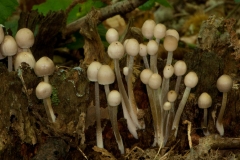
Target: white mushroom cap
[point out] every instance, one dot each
(125, 71)
(114, 98)
(43, 90)
(132, 47)
(24, 57)
(167, 106)
(180, 68)
(115, 50)
(44, 67)
(92, 71)
(1, 56)
(224, 83)
(204, 100)
(159, 31)
(170, 43)
(105, 75)
(148, 28)
(191, 80)
(155, 81)
(8, 46)
(171, 96)
(112, 35)
(145, 75)
(173, 33)
(1, 34)
(142, 50)
(168, 71)
(24, 38)
(152, 47)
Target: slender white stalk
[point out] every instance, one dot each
(46, 79)
(219, 124)
(98, 118)
(180, 110)
(10, 68)
(49, 110)
(179, 79)
(169, 58)
(145, 61)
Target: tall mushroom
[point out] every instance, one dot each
(92, 72)
(190, 81)
(114, 98)
(224, 84)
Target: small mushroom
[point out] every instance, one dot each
(26, 57)
(204, 102)
(8, 49)
(44, 67)
(112, 35)
(170, 44)
(180, 69)
(44, 91)
(114, 98)
(25, 39)
(148, 28)
(224, 84)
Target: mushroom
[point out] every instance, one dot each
(44, 91)
(170, 44)
(180, 69)
(148, 28)
(25, 39)
(190, 81)
(159, 31)
(224, 84)
(114, 98)
(1, 34)
(143, 53)
(204, 102)
(112, 35)
(44, 67)
(132, 49)
(173, 33)
(26, 57)
(8, 49)
(92, 72)
(152, 48)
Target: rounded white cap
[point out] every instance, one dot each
(155, 81)
(168, 71)
(167, 106)
(170, 43)
(159, 31)
(152, 47)
(224, 83)
(112, 35)
(180, 68)
(92, 71)
(26, 57)
(24, 38)
(43, 90)
(9, 46)
(114, 98)
(191, 80)
(148, 28)
(142, 50)
(44, 67)
(145, 75)
(105, 75)
(171, 96)
(132, 47)
(1, 34)
(173, 33)
(125, 71)
(204, 100)
(115, 50)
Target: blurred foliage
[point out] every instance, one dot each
(237, 1)
(7, 7)
(151, 3)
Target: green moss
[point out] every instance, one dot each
(54, 97)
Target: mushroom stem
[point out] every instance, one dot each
(10, 63)
(180, 110)
(145, 61)
(205, 118)
(113, 118)
(153, 63)
(49, 110)
(178, 82)
(98, 118)
(219, 123)
(169, 58)
(46, 79)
